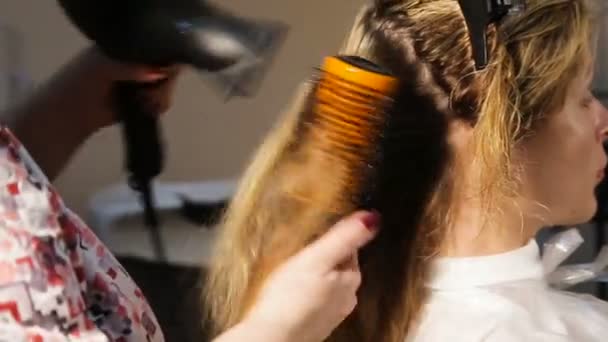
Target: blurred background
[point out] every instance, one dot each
(208, 143)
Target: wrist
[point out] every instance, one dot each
(92, 78)
(74, 96)
(61, 114)
(259, 330)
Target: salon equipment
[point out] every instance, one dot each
(196, 202)
(114, 211)
(560, 247)
(478, 15)
(202, 213)
(234, 51)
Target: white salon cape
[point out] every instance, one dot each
(504, 298)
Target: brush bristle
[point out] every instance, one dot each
(347, 121)
(348, 113)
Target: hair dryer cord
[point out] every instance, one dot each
(143, 150)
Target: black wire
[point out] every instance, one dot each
(151, 218)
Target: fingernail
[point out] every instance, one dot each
(371, 220)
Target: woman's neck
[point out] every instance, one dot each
(476, 229)
(474, 232)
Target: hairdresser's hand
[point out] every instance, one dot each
(76, 102)
(313, 292)
(158, 98)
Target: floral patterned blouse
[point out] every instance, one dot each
(58, 282)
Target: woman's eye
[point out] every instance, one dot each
(587, 100)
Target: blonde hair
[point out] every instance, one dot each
(534, 56)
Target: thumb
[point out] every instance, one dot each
(343, 240)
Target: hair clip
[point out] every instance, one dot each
(478, 14)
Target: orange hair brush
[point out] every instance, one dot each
(329, 169)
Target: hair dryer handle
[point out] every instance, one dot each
(141, 132)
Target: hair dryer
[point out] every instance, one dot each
(236, 51)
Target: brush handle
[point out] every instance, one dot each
(144, 157)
